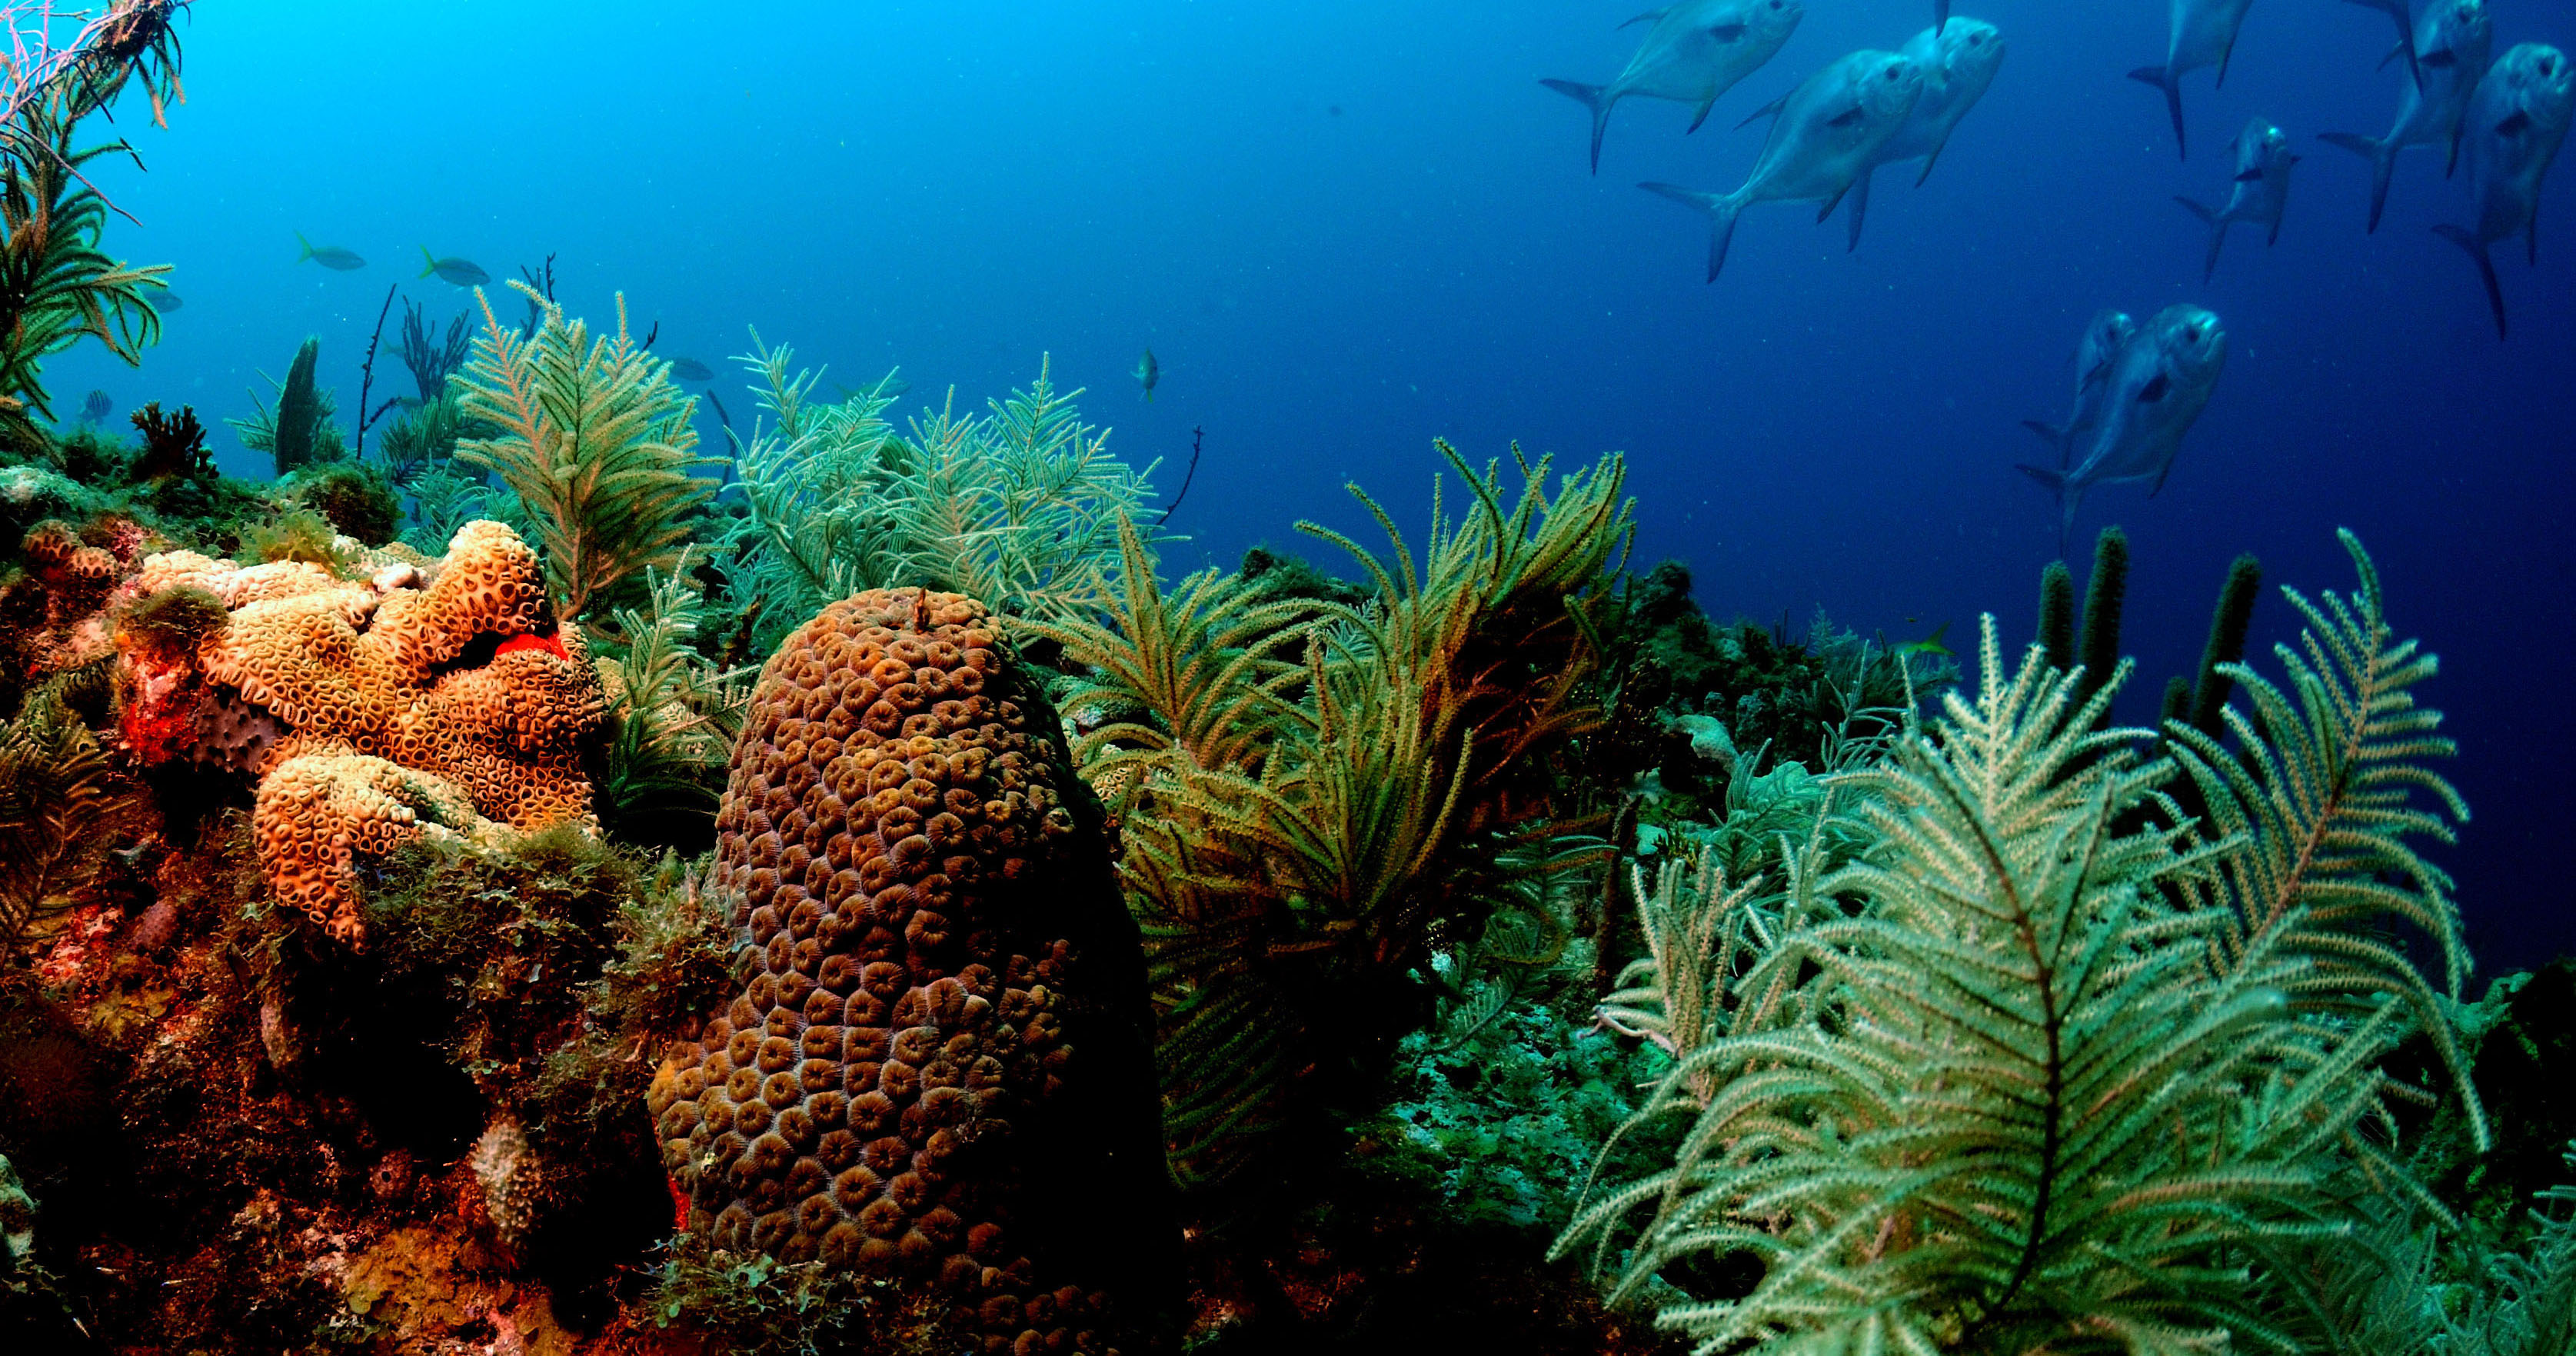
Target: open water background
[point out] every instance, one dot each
(1345, 228)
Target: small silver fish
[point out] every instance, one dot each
(1148, 373)
(2108, 333)
(2156, 390)
(462, 272)
(2201, 33)
(883, 389)
(691, 370)
(331, 257)
(1823, 134)
(1959, 64)
(2515, 122)
(167, 302)
(1696, 51)
(2260, 191)
(2449, 54)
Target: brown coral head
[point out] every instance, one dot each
(893, 833)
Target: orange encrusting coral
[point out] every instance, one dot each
(893, 833)
(388, 730)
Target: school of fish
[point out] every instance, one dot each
(2139, 387)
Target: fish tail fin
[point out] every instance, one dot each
(2383, 166)
(2162, 78)
(2217, 235)
(1859, 195)
(303, 248)
(2055, 435)
(2396, 9)
(428, 262)
(2477, 249)
(2068, 493)
(1722, 210)
(1590, 96)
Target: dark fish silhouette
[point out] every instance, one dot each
(1147, 373)
(690, 369)
(167, 302)
(462, 272)
(331, 257)
(95, 406)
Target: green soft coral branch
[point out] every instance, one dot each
(2043, 1086)
(595, 440)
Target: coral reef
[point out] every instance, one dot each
(927, 1054)
(388, 728)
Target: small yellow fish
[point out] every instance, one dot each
(1929, 645)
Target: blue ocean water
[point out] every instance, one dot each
(1347, 228)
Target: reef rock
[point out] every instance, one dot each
(936, 1072)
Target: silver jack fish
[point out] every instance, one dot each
(2260, 192)
(1696, 51)
(2449, 49)
(2203, 33)
(1822, 137)
(2157, 386)
(2515, 120)
(1959, 61)
(2109, 332)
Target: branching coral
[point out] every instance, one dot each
(1019, 506)
(56, 285)
(595, 440)
(173, 445)
(928, 1043)
(1298, 829)
(672, 716)
(433, 361)
(56, 789)
(2041, 1070)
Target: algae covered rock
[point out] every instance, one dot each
(935, 1073)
